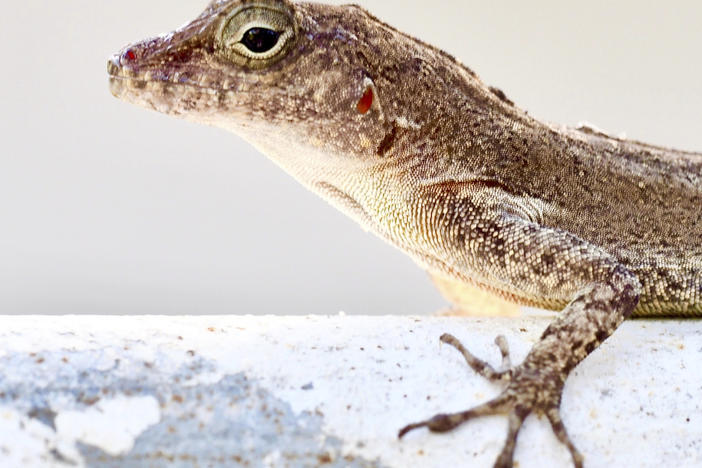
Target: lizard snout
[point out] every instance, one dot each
(114, 64)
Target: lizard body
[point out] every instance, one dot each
(411, 144)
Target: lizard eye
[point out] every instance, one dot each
(256, 36)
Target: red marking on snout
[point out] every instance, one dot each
(130, 55)
(366, 101)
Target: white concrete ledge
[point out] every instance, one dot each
(326, 391)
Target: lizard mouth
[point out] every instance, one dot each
(121, 74)
(170, 92)
(120, 70)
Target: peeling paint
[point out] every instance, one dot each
(111, 425)
(26, 442)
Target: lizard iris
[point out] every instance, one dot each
(412, 145)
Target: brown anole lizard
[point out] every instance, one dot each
(416, 148)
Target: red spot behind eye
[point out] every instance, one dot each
(130, 55)
(366, 101)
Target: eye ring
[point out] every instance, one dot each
(256, 36)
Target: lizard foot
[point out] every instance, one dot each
(531, 388)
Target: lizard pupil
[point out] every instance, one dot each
(260, 40)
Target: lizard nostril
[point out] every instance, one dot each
(129, 55)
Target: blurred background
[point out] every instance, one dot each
(106, 208)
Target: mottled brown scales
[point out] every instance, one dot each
(413, 146)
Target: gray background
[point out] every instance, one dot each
(108, 208)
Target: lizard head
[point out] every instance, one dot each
(298, 80)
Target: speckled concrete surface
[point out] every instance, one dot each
(325, 391)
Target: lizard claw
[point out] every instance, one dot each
(528, 391)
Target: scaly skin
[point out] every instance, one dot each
(413, 146)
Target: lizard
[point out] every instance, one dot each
(411, 144)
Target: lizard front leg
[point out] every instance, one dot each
(553, 264)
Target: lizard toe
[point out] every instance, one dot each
(554, 417)
(506, 457)
(478, 365)
(445, 422)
